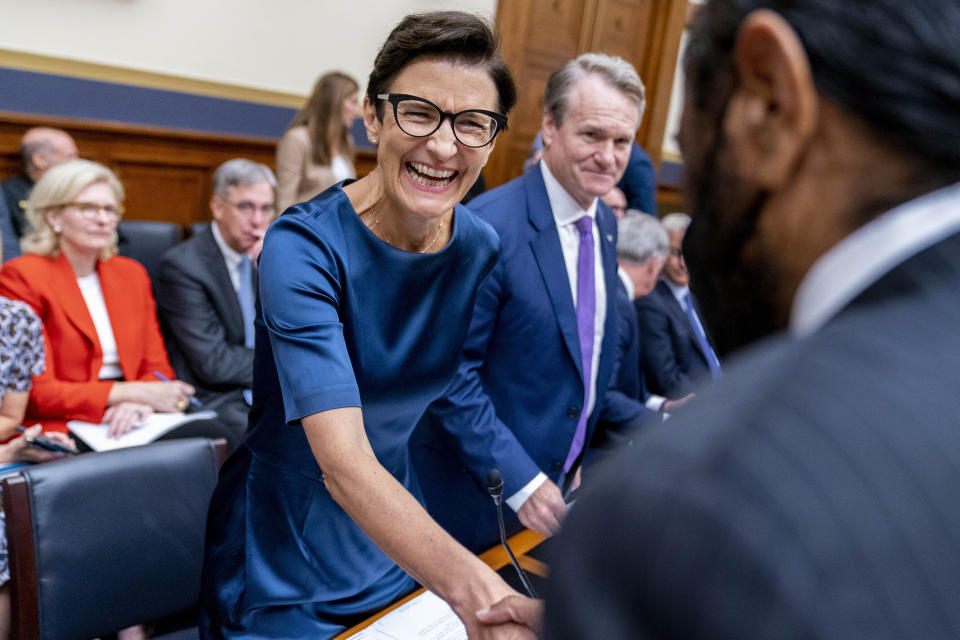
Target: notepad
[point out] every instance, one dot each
(157, 424)
(425, 617)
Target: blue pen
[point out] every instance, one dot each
(193, 400)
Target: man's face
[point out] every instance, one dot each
(732, 274)
(588, 153)
(617, 201)
(59, 148)
(243, 214)
(675, 268)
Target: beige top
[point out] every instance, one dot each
(298, 178)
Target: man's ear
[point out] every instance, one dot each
(772, 114)
(40, 162)
(548, 128)
(216, 207)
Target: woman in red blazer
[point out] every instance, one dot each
(103, 343)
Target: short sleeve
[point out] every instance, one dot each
(302, 279)
(21, 346)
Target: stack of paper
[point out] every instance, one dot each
(426, 617)
(95, 435)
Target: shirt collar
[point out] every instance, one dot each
(864, 256)
(680, 293)
(231, 257)
(565, 209)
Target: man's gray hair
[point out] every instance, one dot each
(675, 222)
(640, 237)
(241, 172)
(616, 71)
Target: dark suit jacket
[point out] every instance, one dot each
(812, 493)
(639, 182)
(69, 388)
(201, 318)
(516, 398)
(10, 239)
(626, 378)
(671, 358)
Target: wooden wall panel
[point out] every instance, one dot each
(540, 35)
(166, 173)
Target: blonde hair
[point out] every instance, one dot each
(58, 186)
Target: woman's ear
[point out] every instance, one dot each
(772, 114)
(370, 120)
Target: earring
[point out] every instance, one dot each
(373, 139)
(57, 228)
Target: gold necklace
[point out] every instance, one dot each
(376, 221)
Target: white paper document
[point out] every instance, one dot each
(157, 424)
(426, 617)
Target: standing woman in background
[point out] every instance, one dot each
(317, 151)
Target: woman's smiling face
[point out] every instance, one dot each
(428, 176)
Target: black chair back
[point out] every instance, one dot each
(107, 540)
(146, 241)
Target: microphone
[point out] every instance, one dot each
(495, 489)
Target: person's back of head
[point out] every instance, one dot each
(803, 122)
(44, 147)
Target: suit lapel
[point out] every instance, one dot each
(607, 226)
(69, 295)
(549, 256)
(216, 265)
(680, 316)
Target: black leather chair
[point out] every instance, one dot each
(146, 241)
(103, 541)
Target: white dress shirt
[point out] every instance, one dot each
(230, 257)
(867, 254)
(93, 297)
(566, 212)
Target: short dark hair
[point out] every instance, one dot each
(449, 35)
(894, 65)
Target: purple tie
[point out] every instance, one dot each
(586, 310)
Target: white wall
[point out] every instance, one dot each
(278, 45)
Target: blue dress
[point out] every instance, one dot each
(346, 320)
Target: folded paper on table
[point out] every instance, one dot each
(95, 435)
(426, 617)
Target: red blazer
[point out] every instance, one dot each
(69, 389)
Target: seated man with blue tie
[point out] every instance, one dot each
(676, 352)
(538, 359)
(206, 291)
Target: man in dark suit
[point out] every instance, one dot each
(40, 149)
(641, 250)
(543, 339)
(205, 291)
(812, 493)
(677, 353)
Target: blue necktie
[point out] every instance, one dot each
(245, 297)
(705, 347)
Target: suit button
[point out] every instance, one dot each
(556, 465)
(573, 412)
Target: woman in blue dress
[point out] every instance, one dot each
(366, 293)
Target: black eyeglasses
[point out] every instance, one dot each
(418, 117)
